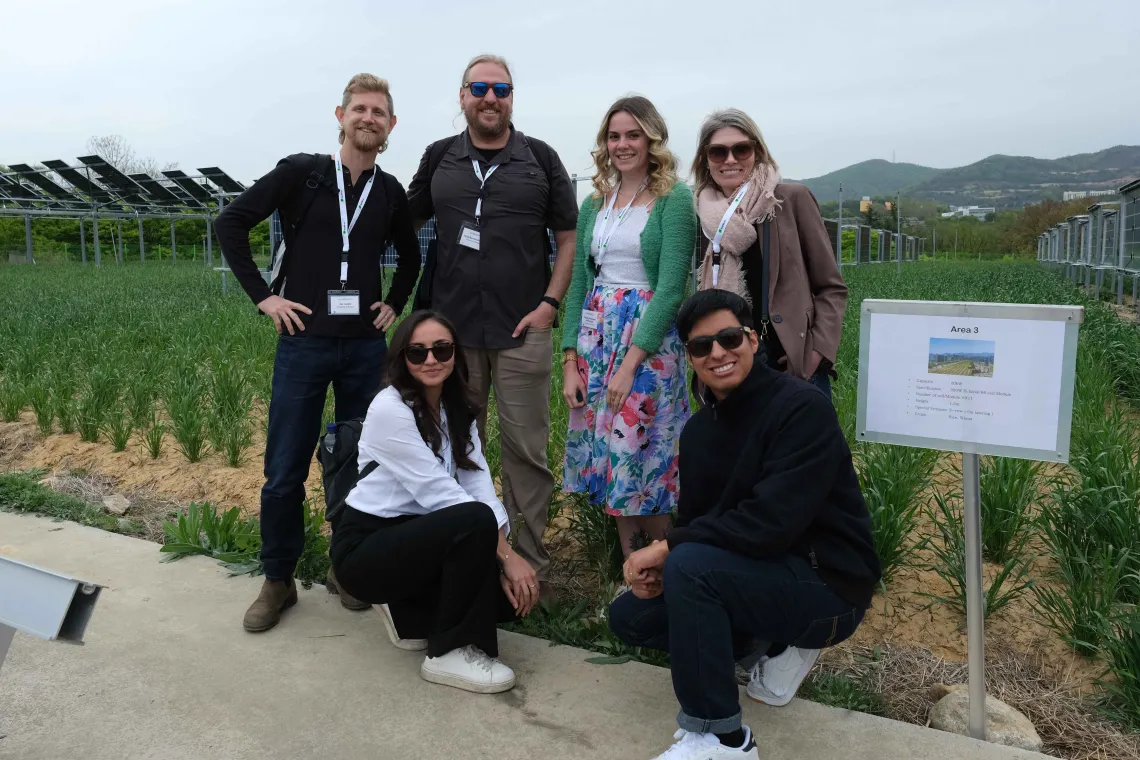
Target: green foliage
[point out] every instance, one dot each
(844, 692)
(22, 492)
(187, 417)
(101, 393)
(39, 396)
(893, 479)
(1011, 581)
(202, 530)
(118, 429)
(576, 624)
(314, 563)
(1122, 690)
(153, 433)
(1008, 489)
(1081, 610)
(12, 399)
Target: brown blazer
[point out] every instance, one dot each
(807, 295)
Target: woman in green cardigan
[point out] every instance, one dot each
(623, 363)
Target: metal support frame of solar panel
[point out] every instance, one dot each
(110, 193)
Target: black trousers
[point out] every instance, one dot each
(437, 573)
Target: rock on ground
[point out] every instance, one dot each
(1004, 725)
(116, 504)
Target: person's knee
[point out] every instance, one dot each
(477, 519)
(627, 620)
(685, 563)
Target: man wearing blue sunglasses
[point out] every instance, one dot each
(494, 193)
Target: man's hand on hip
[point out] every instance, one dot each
(284, 313)
(386, 318)
(540, 319)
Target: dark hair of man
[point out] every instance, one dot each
(704, 302)
(454, 397)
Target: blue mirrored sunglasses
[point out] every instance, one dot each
(501, 89)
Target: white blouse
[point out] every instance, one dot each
(409, 478)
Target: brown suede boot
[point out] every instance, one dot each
(347, 600)
(265, 612)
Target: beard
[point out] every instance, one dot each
(493, 131)
(366, 141)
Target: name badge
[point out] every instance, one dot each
(344, 303)
(590, 320)
(469, 236)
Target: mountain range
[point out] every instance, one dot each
(1000, 181)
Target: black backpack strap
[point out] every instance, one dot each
(367, 470)
(307, 194)
(436, 153)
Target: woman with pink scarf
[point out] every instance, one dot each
(742, 203)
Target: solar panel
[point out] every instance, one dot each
(79, 180)
(13, 192)
(19, 190)
(157, 190)
(112, 177)
(192, 188)
(221, 179)
(43, 183)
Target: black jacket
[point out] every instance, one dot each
(313, 267)
(767, 472)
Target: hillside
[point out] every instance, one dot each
(1006, 181)
(1001, 181)
(875, 177)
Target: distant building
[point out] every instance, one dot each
(978, 212)
(864, 204)
(1072, 195)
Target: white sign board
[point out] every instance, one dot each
(971, 377)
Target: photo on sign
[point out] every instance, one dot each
(958, 356)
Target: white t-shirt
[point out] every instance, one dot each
(409, 478)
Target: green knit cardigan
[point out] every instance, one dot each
(667, 252)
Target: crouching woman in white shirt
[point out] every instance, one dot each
(424, 535)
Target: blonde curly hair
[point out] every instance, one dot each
(662, 162)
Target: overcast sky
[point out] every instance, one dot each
(241, 83)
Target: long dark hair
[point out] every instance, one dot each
(459, 413)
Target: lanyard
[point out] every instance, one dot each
(345, 225)
(482, 182)
(603, 236)
(720, 230)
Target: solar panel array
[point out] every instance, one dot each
(96, 183)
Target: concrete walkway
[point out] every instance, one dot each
(167, 672)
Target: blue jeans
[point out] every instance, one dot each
(302, 370)
(714, 600)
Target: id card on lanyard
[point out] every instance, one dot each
(603, 236)
(721, 228)
(468, 234)
(347, 302)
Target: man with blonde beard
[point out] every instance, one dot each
(494, 193)
(339, 212)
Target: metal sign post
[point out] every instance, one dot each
(975, 378)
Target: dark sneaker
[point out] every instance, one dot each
(265, 612)
(347, 600)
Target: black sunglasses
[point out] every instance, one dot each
(730, 339)
(741, 152)
(442, 350)
(501, 89)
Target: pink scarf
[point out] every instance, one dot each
(759, 203)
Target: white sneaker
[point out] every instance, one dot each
(694, 746)
(776, 680)
(469, 668)
(411, 645)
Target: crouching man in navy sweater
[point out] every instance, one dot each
(772, 556)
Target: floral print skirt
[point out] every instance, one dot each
(626, 460)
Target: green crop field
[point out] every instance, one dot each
(155, 354)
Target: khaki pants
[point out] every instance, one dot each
(521, 378)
